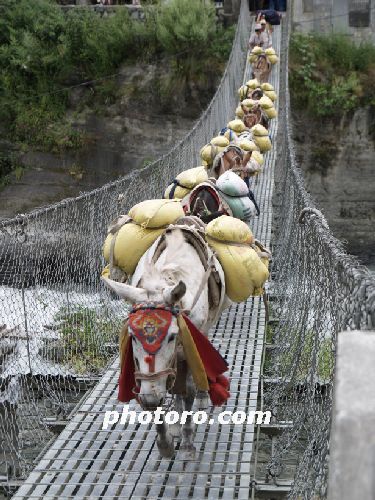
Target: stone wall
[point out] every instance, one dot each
(339, 170)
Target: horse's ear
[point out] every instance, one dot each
(246, 158)
(130, 293)
(174, 294)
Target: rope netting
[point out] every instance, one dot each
(58, 324)
(318, 291)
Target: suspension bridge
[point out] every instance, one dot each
(49, 267)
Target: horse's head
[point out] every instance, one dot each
(256, 94)
(253, 116)
(230, 158)
(153, 330)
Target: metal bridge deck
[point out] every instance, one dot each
(123, 462)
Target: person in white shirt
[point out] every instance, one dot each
(256, 38)
(265, 35)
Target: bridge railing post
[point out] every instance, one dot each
(352, 456)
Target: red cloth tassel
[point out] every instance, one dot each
(218, 394)
(126, 379)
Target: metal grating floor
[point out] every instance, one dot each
(123, 462)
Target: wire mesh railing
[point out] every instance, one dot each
(318, 291)
(58, 325)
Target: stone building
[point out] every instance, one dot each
(356, 18)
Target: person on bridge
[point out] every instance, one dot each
(266, 34)
(256, 38)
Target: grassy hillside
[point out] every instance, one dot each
(330, 74)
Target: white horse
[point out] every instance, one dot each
(176, 277)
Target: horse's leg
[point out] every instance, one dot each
(187, 448)
(164, 440)
(202, 400)
(175, 429)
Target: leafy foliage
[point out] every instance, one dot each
(44, 50)
(85, 335)
(330, 74)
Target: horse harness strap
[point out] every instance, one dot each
(209, 270)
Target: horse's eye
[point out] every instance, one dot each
(172, 337)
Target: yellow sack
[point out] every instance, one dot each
(270, 51)
(156, 213)
(253, 84)
(249, 103)
(271, 94)
(220, 140)
(239, 112)
(252, 58)
(273, 59)
(265, 102)
(259, 130)
(266, 86)
(242, 92)
(179, 192)
(229, 229)
(271, 113)
(132, 242)
(244, 272)
(248, 145)
(237, 125)
(263, 143)
(208, 153)
(258, 157)
(257, 50)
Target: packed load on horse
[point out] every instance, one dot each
(185, 182)
(212, 149)
(245, 264)
(229, 195)
(179, 275)
(269, 53)
(181, 260)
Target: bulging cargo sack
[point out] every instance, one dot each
(249, 103)
(156, 213)
(271, 94)
(242, 92)
(231, 184)
(252, 58)
(220, 140)
(257, 50)
(259, 130)
(266, 86)
(265, 102)
(240, 112)
(209, 152)
(258, 157)
(176, 192)
(273, 59)
(244, 272)
(185, 182)
(235, 193)
(247, 145)
(254, 84)
(228, 229)
(132, 241)
(271, 113)
(237, 125)
(263, 143)
(270, 51)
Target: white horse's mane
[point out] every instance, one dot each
(172, 265)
